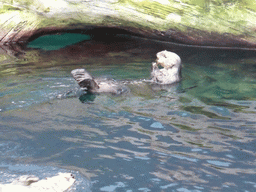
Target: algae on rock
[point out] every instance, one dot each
(217, 23)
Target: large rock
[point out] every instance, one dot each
(211, 23)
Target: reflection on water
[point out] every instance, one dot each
(197, 135)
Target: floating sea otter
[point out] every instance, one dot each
(60, 183)
(170, 73)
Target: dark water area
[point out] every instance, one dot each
(196, 135)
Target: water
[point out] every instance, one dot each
(196, 135)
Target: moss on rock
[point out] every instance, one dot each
(197, 22)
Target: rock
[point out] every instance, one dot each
(59, 183)
(171, 71)
(209, 24)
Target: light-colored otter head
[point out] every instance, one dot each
(168, 59)
(171, 71)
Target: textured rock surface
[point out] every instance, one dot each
(214, 23)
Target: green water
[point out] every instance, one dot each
(55, 42)
(196, 135)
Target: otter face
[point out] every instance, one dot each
(168, 59)
(171, 72)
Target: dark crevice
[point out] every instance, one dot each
(97, 33)
(193, 39)
(197, 39)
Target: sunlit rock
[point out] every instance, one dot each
(211, 24)
(59, 183)
(174, 17)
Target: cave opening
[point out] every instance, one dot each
(57, 39)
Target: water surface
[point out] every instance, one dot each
(196, 135)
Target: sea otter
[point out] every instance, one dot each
(170, 73)
(61, 182)
(91, 85)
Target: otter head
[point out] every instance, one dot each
(171, 71)
(168, 59)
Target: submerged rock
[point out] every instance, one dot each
(26, 183)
